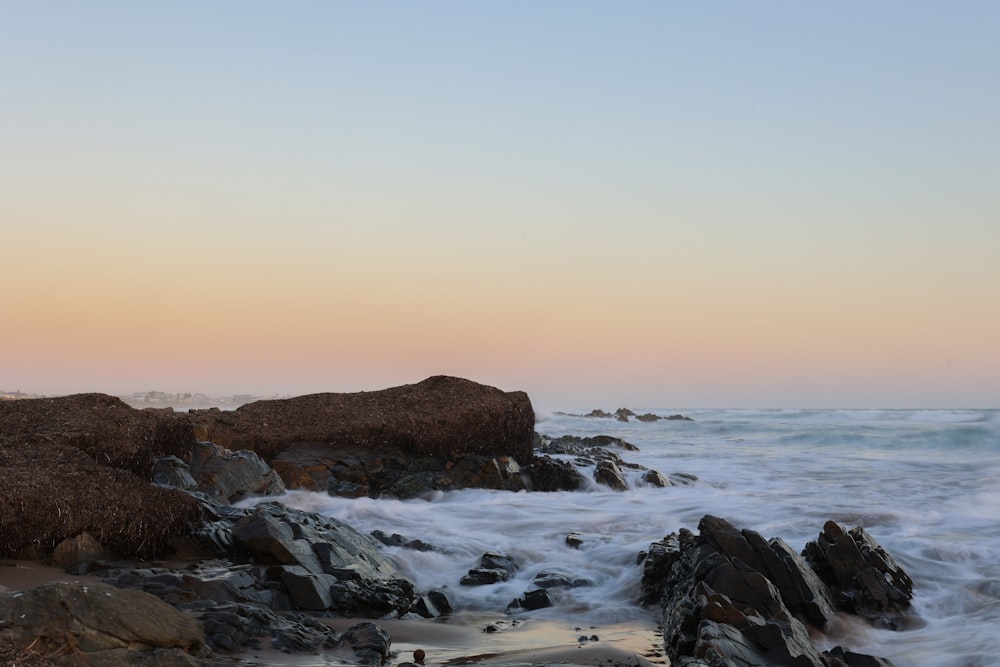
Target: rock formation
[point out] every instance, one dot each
(435, 417)
(730, 598)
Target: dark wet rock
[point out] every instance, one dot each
(841, 657)
(233, 627)
(622, 414)
(654, 478)
(863, 577)
(574, 540)
(307, 590)
(435, 417)
(682, 478)
(799, 587)
(226, 476)
(555, 579)
(397, 540)
(173, 472)
(388, 472)
(608, 473)
(370, 643)
(534, 599)
(372, 599)
(493, 568)
(581, 445)
(732, 598)
(549, 474)
(94, 623)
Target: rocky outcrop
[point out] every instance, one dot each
(103, 427)
(82, 464)
(435, 417)
(228, 476)
(730, 598)
(597, 452)
(623, 415)
(863, 578)
(54, 492)
(94, 623)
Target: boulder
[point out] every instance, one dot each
(227, 476)
(608, 473)
(493, 568)
(97, 623)
(549, 474)
(435, 417)
(84, 548)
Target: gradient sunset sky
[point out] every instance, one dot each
(654, 204)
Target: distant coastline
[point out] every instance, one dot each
(163, 399)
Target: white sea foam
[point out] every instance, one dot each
(923, 483)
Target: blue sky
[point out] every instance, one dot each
(736, 204)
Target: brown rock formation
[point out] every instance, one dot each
(436, 417)
(82, 464)
(102, 426)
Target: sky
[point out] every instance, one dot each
(654, 204)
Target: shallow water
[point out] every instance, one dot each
(924, 484)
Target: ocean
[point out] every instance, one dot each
(924, 483)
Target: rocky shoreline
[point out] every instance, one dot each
(137, 505)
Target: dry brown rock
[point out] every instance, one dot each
(81, 464)
(436, 417)
(108, 430)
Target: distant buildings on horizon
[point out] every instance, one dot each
(161, 399)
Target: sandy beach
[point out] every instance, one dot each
(458, 639)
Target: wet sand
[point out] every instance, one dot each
(458, 639)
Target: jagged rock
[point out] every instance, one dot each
(608, 473)
(865, 580)
(435, 417)
(622, 414)
(171, 471)
(227, 476)
(728, 597)
(574, 540)
(264, 534)
(370, 642)
(95, 623)
(493, 568)
(397, 540)
(549, 474)
(578, 445)
(232, 627)
(531, 600)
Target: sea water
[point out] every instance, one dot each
(924, 484)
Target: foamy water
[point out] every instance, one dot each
(925, 484)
